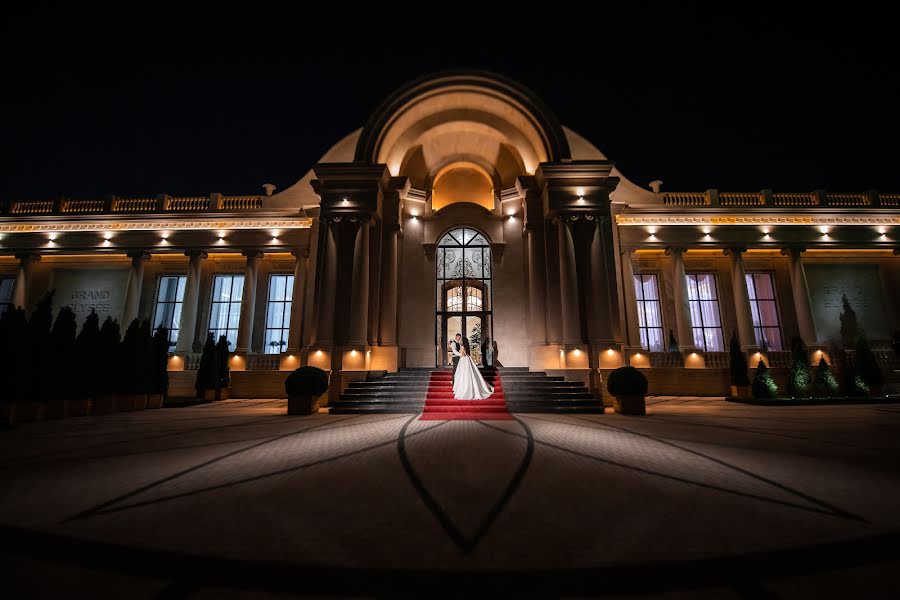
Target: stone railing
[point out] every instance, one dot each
(717, 360)
(263, 362)
(154, 204)
(133, 205)
(686, 199)
(777, 360)
(666, 359)
(81, 206)
(768, 198)
(739, 199)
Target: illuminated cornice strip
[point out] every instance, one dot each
(50, 226)
(756, 220)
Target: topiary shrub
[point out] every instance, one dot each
(159, 365)
(207, 369)
(129, 359)
(825, 384)
(627, 381)
(62, 353)
(37, 347)
(306, 381)
(87, 357)
(800, 377)
(867, 365)
(763, 384)
(223, 370)
(738, 363)
(109, 349)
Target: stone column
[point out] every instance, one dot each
(600, 309)
(135, 284)
(742, 310)
(23, 278)
(683, 322)
(359, 297)
(327, 283)
(554, 310)
(537, 281)
(248, 302)
(387, 332)
(800, 291)
(632, 322)
(298, 297)
(568, 284)
(187, 327)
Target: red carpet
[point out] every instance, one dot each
(441, 406)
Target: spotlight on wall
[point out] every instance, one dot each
(274, 239)
(610, 352)
(580, 199)
(52, 237)
(345, 201)
(576, 352)
(107, 236)
(353, 353)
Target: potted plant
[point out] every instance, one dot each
(223, 371)
(159, 368)
(303, 387)
(629, 386)
(740, 382)
(62, 354)
(763, 384)
(107, 380)
(206, 371)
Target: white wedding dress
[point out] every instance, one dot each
(469, 384)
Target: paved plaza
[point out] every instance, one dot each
(235, 499)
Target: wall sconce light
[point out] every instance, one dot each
(318, 353)
(345, 201)
(580, 199)
(610, 352)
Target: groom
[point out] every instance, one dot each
(459, 341)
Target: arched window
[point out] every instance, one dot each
(463, 295)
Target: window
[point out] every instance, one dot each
(278, 313)
(649, 313)
(226, 307)
(6, 292)
(169, 298)
(761, 290)
(705, 318)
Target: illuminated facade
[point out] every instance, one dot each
(463, 205)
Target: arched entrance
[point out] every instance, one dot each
(463, 291)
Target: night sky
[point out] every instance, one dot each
(194, 104)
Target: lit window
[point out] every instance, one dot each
(6, 292)
(278, 313)
(705, 317)
(649, 312)
(225, 315)
(169, 298)
(766, 326)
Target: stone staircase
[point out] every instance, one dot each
(525, 392)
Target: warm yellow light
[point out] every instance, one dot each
(318, 353)
(693, 354)
(580, 192)
(345, 201)
(576, 351)
(274, 239)
(580, 200)
(637, 354)
(353, 353)
(290, 356)
(610, 352)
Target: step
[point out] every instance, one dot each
(469, 409)
(453, 402)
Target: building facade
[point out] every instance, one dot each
(464, 206)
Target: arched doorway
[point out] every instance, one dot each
(463, 291)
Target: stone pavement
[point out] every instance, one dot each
(235, 499)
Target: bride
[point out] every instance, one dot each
(468, 384)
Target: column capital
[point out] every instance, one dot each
(138, 255)
(792, 250)
(738, 250)
(28, 257)
(300, 252)
(194, 253)
(673, 250)
(252, 253)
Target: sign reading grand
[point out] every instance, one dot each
(862, 286)
(100, 289)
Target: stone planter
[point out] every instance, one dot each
(630, 405)
(303, 405)
(104, 404)
(224, 393)
(129, 402)
(209, 395)
(78, 407)
(140, 401)
(741, 391)
(154, 401)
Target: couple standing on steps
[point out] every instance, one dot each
(468, 384)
